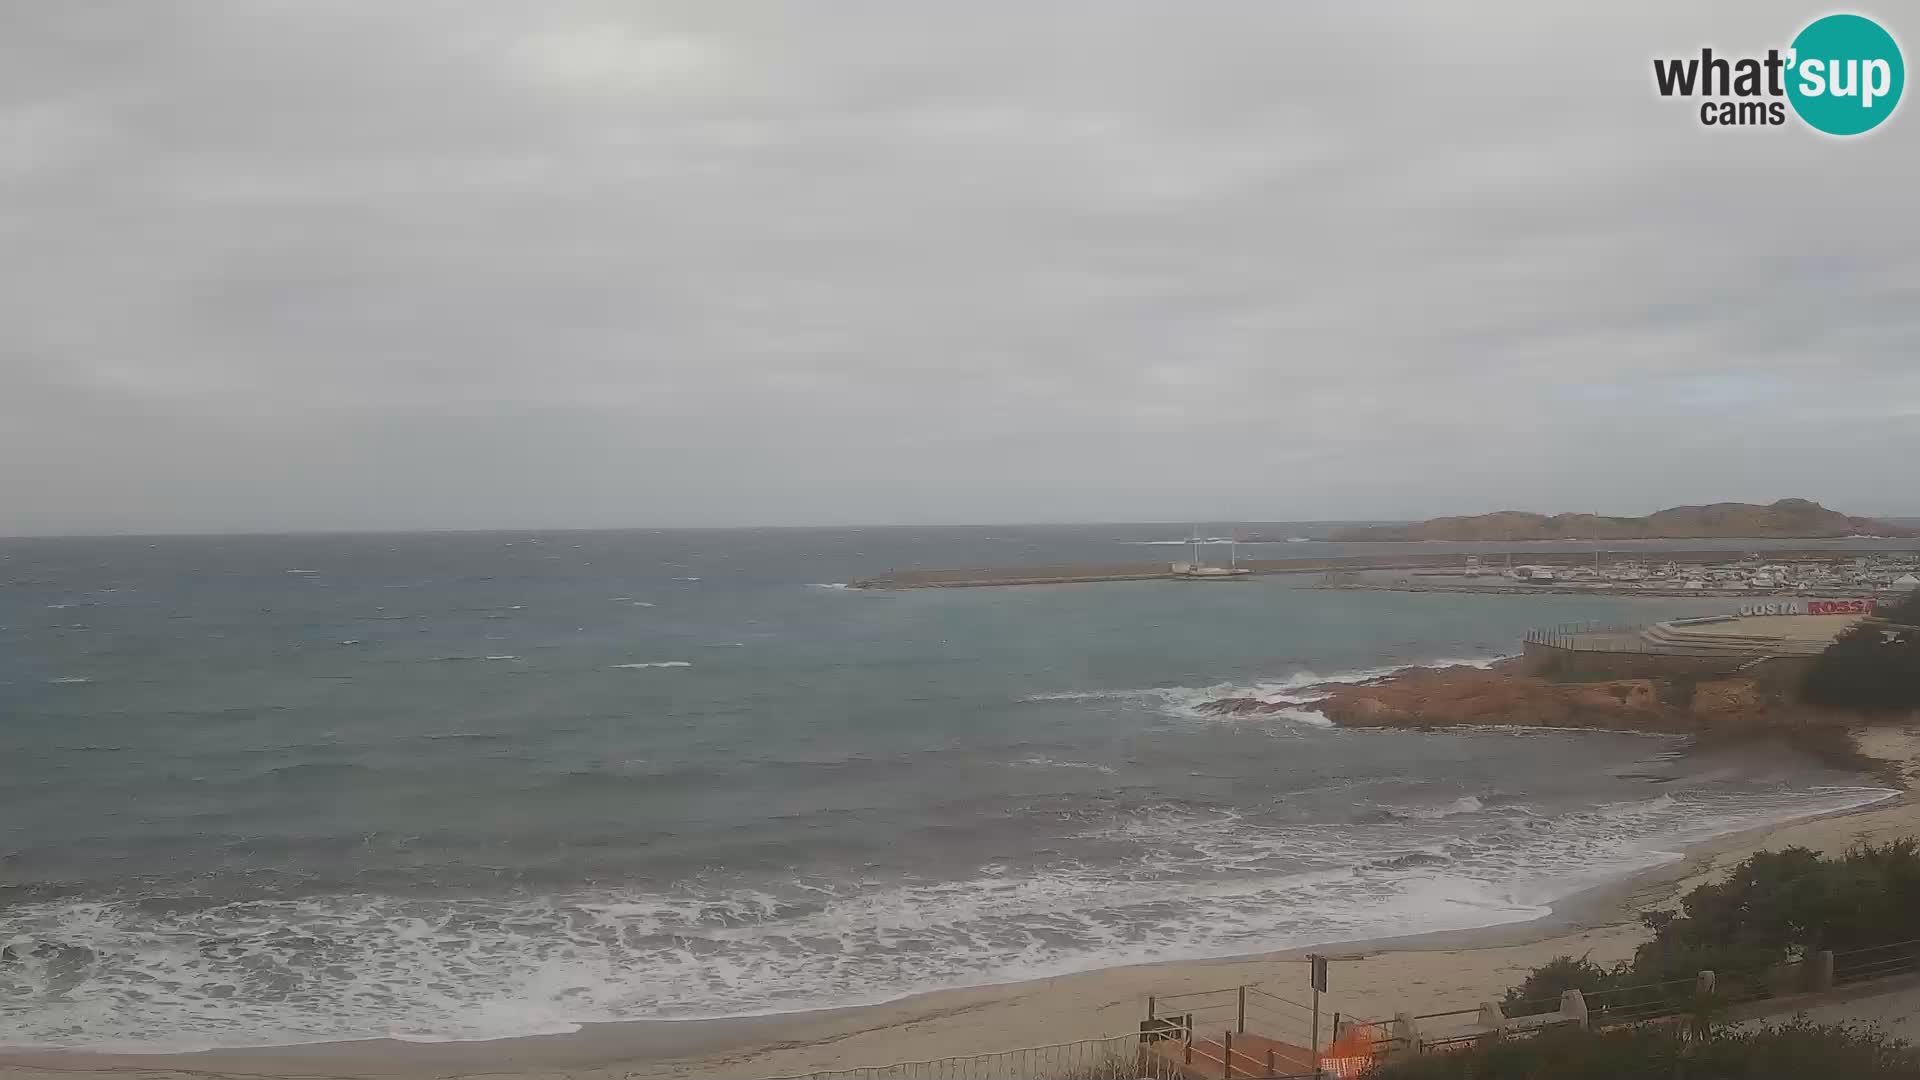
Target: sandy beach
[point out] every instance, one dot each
(1427, 973)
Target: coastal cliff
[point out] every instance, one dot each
(1785, 519)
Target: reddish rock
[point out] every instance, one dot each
(1728, 708)
(1729, 699)
(1463, 695)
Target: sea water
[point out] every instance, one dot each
(266, 790)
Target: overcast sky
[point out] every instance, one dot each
(341, 265)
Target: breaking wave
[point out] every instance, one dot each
(1049, 763)
(123, 974)
(1288, 694)
(1466, 804)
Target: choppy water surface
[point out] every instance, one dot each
(280, 789)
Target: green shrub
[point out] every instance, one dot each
(1871, 667)
(1540, 992)
(1782, 905)
(1776, 907)
(1794, 1052)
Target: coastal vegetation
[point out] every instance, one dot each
(1774, 909)
(1791, 1052)
(1872, 667)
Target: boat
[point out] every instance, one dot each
(1190, 572)
(1198, 571)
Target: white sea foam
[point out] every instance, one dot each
(1195, 702)
(70, 680)
(1466, 804)
(1050, 763)
(119, 975)
(1309, 717)
(829, 585)
(657, 664)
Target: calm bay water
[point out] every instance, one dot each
(261, 790)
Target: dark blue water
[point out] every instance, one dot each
(271, 789)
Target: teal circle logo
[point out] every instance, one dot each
(1846, 74)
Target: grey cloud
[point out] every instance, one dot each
(278, 265)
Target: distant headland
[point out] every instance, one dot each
(1796, 519)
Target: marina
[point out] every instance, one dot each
(1702, 573)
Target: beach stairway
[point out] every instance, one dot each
(1234, 1056)
(1232, 1033)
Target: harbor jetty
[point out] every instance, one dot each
(1491, 561)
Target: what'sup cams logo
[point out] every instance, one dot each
(1842, 75)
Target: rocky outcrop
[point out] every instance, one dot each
(1457, 696)
(1462, 696)
(1787, 518)
(1715, 709)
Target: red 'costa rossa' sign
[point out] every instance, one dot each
(1839, 607)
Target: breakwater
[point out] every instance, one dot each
(1070, 573)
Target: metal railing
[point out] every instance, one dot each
(1115, 1057)
(1232, 1031)
(1195, 1033)
(1697, 997)
(1876, 962)
(1234, 1063)
(1583, 636)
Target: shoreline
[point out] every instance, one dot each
(1446, 969)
